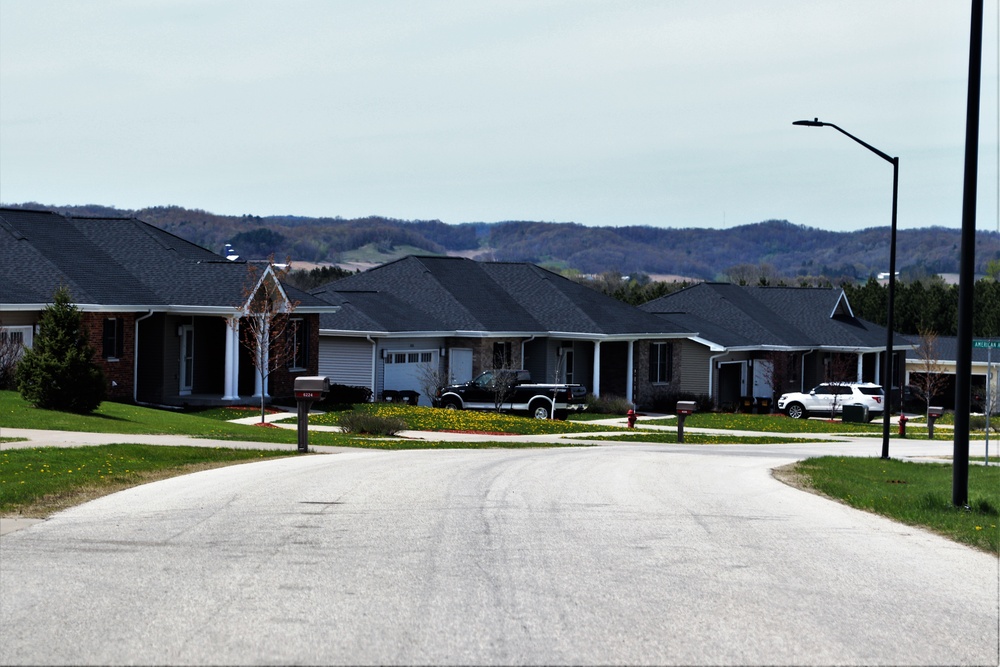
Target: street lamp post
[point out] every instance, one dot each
(887, 375)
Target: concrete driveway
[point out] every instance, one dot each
(618, 554)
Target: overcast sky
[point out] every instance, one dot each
(670, 113)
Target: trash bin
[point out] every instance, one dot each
(855, 414)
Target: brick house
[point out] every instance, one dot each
(163, 315)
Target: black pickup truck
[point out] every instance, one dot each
(512, 391)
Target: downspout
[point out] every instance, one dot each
(523, 343)
(711, 371)
(802, 379)
(368, 337)
(135, 358)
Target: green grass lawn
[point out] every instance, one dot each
(783, 424)
(694, 438)
(211, 423)
(917, 494)
(472, 421)
(38, 481)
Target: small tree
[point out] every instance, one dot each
(58, 371)
(932, 378)
(503, 381)
(265, 325)
(842, 369)
(11, 347)
(775, 372)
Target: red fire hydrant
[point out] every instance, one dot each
(631, 418)
(902, 425)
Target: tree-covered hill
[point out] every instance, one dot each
(785, 249)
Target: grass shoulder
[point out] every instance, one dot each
(917, 494)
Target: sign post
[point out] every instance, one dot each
(989, 344)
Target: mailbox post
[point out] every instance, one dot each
(933, 412)
(308, 388)
(684, 408)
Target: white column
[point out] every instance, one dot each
(596, 389)
(236, 356)
(861, 366)
(229, 392)
(630, 370)
(878, 368)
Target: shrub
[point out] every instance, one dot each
(343, 396)
(363, 422)
(666, 401)
(57, 372)
(978, 423)
(608, 405)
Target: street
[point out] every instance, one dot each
(617, 554)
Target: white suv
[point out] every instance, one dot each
(831, 397)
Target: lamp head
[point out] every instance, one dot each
(815, 122)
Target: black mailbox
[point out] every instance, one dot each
(684, 408)
(308, 388)
(933, 412)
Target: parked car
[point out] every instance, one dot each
(831, 397)
(512, 391)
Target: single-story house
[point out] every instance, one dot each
(754, 343)
(162, 314)
(943, 360)
(418, 322)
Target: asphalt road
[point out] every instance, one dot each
(603, 555)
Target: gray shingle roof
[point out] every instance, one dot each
(114, 262)
(946, 350)
(791, 317)
(456, 294)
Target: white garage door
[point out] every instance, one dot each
(407, 370)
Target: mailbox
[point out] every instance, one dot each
(308, 388)
(935, 411)
(685, 407)
(312, 387)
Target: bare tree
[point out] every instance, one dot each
(931, 379)
(504, 379)
(842, 369)
(432, 376)
(775, 372)
(11, 346)
(266, 322)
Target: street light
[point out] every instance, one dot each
(887, 375)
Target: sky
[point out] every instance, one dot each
(667, 113)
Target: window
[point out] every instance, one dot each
(114, 338)
(13, 340)
(661, 362)
(501, 355)
(298, 341)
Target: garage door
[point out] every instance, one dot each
(407, 370)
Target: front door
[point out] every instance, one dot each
(187, 359)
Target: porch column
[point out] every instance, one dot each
(231, 379)
(596, 389)
(878, 368)
(861, 367)
(630, 370)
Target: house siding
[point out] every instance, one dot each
(346, 361)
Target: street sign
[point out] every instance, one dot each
(985, 343)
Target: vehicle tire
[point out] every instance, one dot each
(873, 416)
(539, 410)
(562, 415)
(451, 405)
(796, 411)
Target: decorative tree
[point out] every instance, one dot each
(58, 371)
(932, 378)
(266, 323)
(11, 347)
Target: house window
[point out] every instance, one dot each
(298, 342)
(502, 355)
(661, 362)
(114, 338)
(13, 340)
